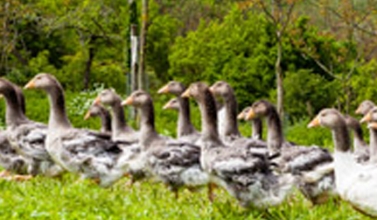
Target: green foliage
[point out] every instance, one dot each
(364, 83)
(302, 98)
(235, 49)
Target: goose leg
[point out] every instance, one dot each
(211, 196)
(21, 177)
(4, 174)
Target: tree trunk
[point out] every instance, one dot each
(143, 38)
(88, 65)
(279, 78)
(134, 57)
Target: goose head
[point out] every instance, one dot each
(243, 113)
(197, 91)
(94, 110)
(259, 109)
(351, 122)
(107, 97)
(330, 118)
(172, 87)
(43, 81)
(364, 107)
(221, 89)
(172, 104)
(6, 86)
(138, 99)
(370, 117)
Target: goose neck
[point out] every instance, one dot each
(358, 138)
(275, 131)
(373, 144)
(208, 111)
(257, 128)
(118, 124)
(341, 138)
(147, 126)
(105, 121)
(58, 116)
(231, 123)
(185, 126)
(14, 113)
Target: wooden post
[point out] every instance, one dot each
(134, 57)
(143, 38)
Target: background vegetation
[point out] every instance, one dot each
(328, 59)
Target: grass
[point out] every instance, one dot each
(67, 198)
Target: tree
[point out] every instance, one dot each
(279, 13)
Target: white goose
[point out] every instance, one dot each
(355, 183)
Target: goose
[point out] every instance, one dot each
(224, 91)
(172, 104)
(312, 165)
(185, 129)
(97, 110)
(371, 116)
(230, 133)
(10, 160)
(256, 124)
(245, 174)
(120, 130)
(127, 137)
(174, 162)
(26, 136)
(355, 182)
(81, 151)
(364, 107)
(361, 150)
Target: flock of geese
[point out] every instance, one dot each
(257, 173)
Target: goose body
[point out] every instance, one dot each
(10, 160)
(244, 173)
(312, 166)
(355, 182)
(174, 162)
(88, 153)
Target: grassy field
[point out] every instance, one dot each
(67, 198)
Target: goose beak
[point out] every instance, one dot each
(211, 89)
(163, 90)
(366, 118)
(372, 125)
(30, 84)
(241, 116)
(314, 123)
(166, 106)
(250, 115)
(128, 101)
(186, 94)
(87, 115)
(358, 110)
(97, 101)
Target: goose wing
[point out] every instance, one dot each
(29, 140)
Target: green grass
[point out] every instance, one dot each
(67, 198)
